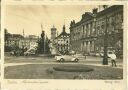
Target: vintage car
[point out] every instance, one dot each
(30, 52)
(62, 58)
(108, 53)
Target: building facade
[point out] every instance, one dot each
(52, 43)
(88, 34)
(13, 41)
(29, 42)
(62, 42)
(53, 33)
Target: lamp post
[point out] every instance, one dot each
(95, 34)
(105, 57)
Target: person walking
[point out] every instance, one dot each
(113, 59)
(84, 54)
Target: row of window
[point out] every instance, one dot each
(63, 48)
(115, 22)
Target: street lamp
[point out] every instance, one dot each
(95, 34)
(105, 57)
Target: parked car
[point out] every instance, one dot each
(62, 58)
(101, 54)
(12, 53)
(97, 54)
(108, 53)
(30, 52)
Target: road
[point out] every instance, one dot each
(12, 61)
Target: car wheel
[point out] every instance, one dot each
(76, 60)
(61, 60)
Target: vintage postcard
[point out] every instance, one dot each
(65, 46)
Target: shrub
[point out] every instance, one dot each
(74, 68)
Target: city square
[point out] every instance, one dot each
(42, 68)
(88, 45)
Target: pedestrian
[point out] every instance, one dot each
(113, 59)
(84, 54)
(14, 52)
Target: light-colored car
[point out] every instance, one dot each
(30, 52)
(62, 58)
(12, 53)
(97, 54)
(101, 54)
(108, 53)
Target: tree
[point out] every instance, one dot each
(6, 39)
(5, 34)
(47, 48)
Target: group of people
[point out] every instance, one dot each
(112, 57)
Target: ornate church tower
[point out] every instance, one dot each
(53, 32)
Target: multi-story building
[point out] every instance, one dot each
(29, 42)
(13, 41)
(63, 42)
(88, 34)
(111, 19)
(82, 33)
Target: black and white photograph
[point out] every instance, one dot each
(71, 42)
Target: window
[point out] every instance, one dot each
(67, 41)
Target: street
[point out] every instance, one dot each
(10, 60)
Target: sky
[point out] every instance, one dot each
(30, 17)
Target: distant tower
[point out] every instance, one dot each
(53, 32)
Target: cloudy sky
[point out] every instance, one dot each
(30, 17)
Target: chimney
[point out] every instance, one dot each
(73, 21)
(95, 10)
(82, 16)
